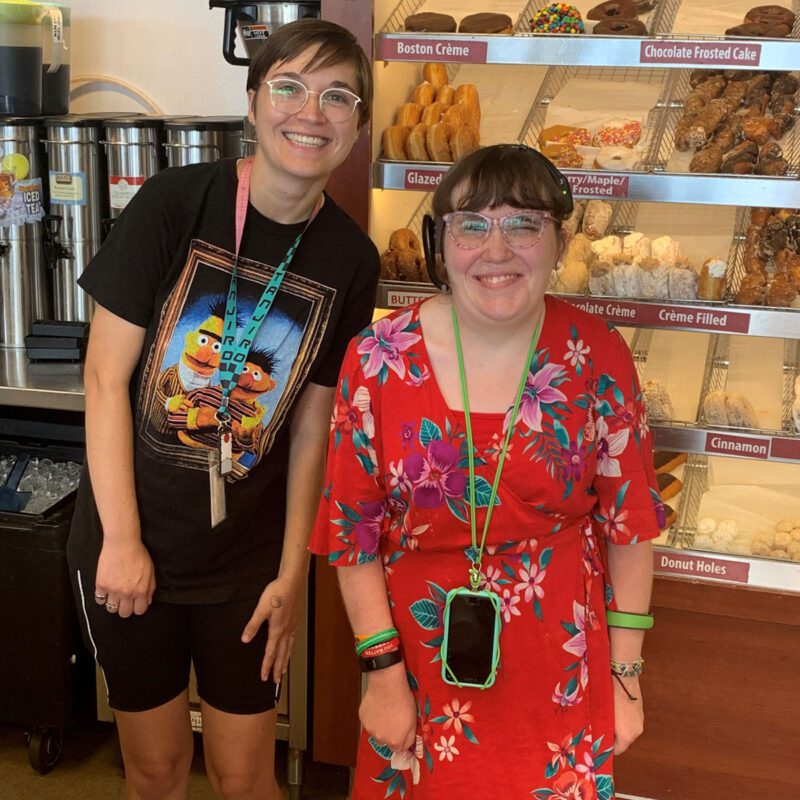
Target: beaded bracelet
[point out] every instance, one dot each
(627, 669)
(375, 638)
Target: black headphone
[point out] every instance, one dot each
(432, 229)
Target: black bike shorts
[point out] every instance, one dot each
(145, 659)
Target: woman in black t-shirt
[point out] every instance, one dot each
(171, 559)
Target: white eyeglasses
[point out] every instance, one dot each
(290, 96)
(470, 230)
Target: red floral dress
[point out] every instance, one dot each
(579, 472)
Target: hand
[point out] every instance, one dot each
(388, 709)
(628, 714)
(178, 402)
(125, 577)
(281, 603)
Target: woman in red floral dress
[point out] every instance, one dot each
(576, 505)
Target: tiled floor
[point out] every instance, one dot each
(90, 768)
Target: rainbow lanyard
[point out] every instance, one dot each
(475, 566)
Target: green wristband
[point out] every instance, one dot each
(622, 619)
(376, 638)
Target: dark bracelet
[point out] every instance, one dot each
(624, 687)
(382, 661)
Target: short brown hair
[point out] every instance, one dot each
(335, 45)
(502, 174)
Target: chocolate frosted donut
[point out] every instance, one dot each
(758, 30)
(621, 27)
(430, 22)
(486, 23)
(770, 15)
(614, 9)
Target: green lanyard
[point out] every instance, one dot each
(475, 567)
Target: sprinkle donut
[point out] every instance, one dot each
(558, 18)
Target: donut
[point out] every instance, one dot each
(408, 114)
(770, 15)
(437, 142)
(486, 22)
(666, 460)
(424, 93)
(446, 95)
(463, 141)
(614, 9)
(435, 74)
(404, 239)
(619, 159)
(668, 486)
(409, 266)
(670, 517)
(467, 93)
(430, 22)
(620, 27)
(389, 265)
(472, 115)
(565, 134)
(415, 144)
(557, 18)
(394, 142)
(759, 30)
(433, 113)
(455, 115)
(564, 156)
(618, 132)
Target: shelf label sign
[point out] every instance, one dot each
(701, 54)
(785, 448)
(592, 184)
(746, 446)
(423, 180)
(663, 316)
(398, 298)
(681, 562)
(409, 48)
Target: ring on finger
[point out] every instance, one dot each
(100, 598)
(112, 608)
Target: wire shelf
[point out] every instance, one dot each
(397, 19)
(695, 485)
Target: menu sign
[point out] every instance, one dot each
(409, 48)
(664, 316)
(786, 449)
(701, 54)
(398, 298)
(590, 184)
(423, 180)
(746, 446)
(678, 562)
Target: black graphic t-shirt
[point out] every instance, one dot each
(166, 266)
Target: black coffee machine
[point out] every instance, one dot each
(255, 21)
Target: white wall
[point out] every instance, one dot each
(169, 49)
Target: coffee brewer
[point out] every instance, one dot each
(193, 140)
(24, 287)
(255, 21)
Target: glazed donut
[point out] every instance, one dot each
(467, 93)
(389, 265)
(408, 115)
(404, 239)
(424, 93)
(463, 141)
(435, 74)
(409, 265)
(455, 115)
(415, 145)
(433, 113)
(620, 159)
(446, 95)
(620, 27)
(614, 9)
(472, 115)
(394, 142)
(770, 15)
(437, 142)
(486, 22)
(431, 22)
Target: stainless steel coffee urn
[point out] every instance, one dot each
(193, 140)
(78, 205)
(134, 153)
(249, 138)
(24, 288)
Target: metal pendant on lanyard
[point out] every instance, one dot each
(475, 566)
(234, 352)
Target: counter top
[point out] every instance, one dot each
(39, 385)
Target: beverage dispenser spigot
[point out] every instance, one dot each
(54, 248)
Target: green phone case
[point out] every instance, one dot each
(495, 600)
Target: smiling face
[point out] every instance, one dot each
(303, 146)
(497, 282)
